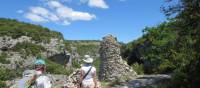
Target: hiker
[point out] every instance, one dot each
(39, 79)
(42, 81)
(88, 73)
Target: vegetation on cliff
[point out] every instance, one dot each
(171, 47)
(16, 29)
(83, 47)
(39, 34)
(27, 49)
(3, 57)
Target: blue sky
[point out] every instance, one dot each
(88, 19)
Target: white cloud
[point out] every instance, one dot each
(75, 15)
(42, 13)
(95, 3)
(35, 17)
(58, 13)
(20, 11)
(65, 22)
(55, 4)
(69, 14)
(98, 3)
(39, 10)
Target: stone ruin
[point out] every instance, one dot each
(112, 66)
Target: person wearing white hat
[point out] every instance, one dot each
(88, 73)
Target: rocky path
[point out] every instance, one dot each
(144, 81)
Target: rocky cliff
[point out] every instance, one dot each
(21, 43)
(8, 46)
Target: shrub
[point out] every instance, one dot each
(76, 64)
(27, 49)
(6, 74)
(96, 64)
(165, 67)
(139, 68)
(55, 68)
(3, 60)
(3, 84)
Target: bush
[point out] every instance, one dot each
(55, 68)
(6, 74)
(165, 67)
(76, 64)
(139, 68)
(3, 84)
(96, 64)
(27, 49)
(83, 47)
(3, 60)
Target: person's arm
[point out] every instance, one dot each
(33, 80)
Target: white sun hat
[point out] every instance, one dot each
(88, 60)
(87, 56)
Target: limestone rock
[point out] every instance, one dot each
(19, 60)
(8, 42)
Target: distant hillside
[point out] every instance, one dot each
(83, 47)
(16, 29)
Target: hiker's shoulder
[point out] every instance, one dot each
(44, 76)
(93, 68)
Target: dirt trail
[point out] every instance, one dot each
(144, 81)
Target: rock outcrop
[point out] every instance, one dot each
(8, 42)
(112, 66)
(18, 59)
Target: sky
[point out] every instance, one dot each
(88, 19)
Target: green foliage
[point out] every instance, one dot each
(27, 48)
(16, 29)
(179, 75)
(55, 68)
(76, 64)
(83, 47)
(105, 84)
(87, 49)
(6, 74)
(139, 68)
(96, 64)
(3, 84)
(153, 49)
(3, 60)
(188, 44)
(172, 46)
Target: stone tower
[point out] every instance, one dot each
(112, 66)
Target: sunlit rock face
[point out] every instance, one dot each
(112, 66)
(20, 59)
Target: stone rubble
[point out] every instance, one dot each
(112, 66)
